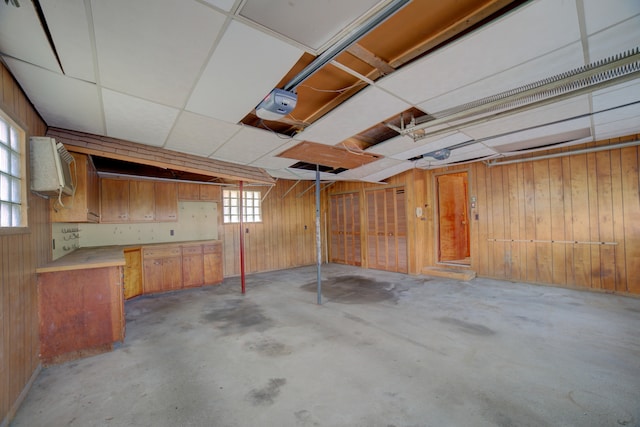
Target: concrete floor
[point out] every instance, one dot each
(384, 349)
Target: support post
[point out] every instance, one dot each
(318, 236)
(241, 213)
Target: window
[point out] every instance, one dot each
(250, 206)
(13, 192)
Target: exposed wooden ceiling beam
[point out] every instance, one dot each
(119, 149)
(370, 58)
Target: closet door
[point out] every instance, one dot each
(345, 229)
(387, 230)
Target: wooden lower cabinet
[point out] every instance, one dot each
(162, 267)
(172, 267)
(79, 317)
(132, 273)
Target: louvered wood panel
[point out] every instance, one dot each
(345, 229)
(386, 230)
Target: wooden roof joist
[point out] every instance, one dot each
(119, 149)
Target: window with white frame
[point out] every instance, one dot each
(13, 192)
(251, 208)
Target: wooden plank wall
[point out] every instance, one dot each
(529, 211)
(280, 240)
(20, 253)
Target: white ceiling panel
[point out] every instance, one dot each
(225, 5)
(553, 63)
(249, 145)
(22, 37)
(533, 30)
(368, 108)
(371, 168)
(541, 116)
(271, 161)
(625, 113)
(62, 102)
(602, 14)
(199, 135)
(388, 172)
(69, 28)
(562, 128)
(407, 148)
(296, 174)
(136, 119)
(626, 124)
(615, 96)
(247, 56)
(327, 18)
(470, 152)
(169, 40)
(618, 39)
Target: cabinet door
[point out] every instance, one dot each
(141, 201)
(188, 191)
(153, 276)
(132, 273)
(166, 194)
(209, 192)
(212, 260)
(114, 200)
(172, 273)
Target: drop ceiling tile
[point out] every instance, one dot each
(371, 168)
(470, 152)
(625, 125)
(505, 43)
(271, 159)
(551, 64)
(623, 113)
(22, 37)
(540, 116)
(615, 40)
(137, 120)
(429, 145)
(199, 135)
(225, 5)
(301, 174)
(382, 174)
(69, 28)
(245, 67)
(325, 18)
(156, 49)
(62, 101)
(616, 96)
(602, 14)
(369, 107)
(540, 132)
(248, 145)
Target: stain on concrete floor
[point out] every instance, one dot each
(357, 290)
(237, 316)
(266, 395)
(467, 327)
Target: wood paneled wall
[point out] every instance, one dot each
(281, 239)
(20, 253)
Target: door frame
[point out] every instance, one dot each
(436, 216)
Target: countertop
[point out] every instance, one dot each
(102, 256)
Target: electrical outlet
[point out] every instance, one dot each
(170, 232)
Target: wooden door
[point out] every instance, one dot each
(141, 201)
(453, 223)
(132, 273)
(114, 200)
(387, 230)
(345, 229)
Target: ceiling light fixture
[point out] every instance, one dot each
(271, 107)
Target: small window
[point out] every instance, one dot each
(251, 211)
(13, 192)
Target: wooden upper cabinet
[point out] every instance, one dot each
(195, 192)
(166, 197)
(142, 206)
(210, 192)
(114, 200)
(188, 191)
(84, 206)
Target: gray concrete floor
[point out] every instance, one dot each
(384, 349)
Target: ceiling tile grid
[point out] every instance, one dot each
(62, 102)
(603, 14)
(156, 49)
(244, 68)
(488, 51)
(199, 135)
(612, 41)
(137, 120)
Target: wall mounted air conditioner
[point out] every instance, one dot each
(50, 167)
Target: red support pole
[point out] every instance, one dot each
(240, 208)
